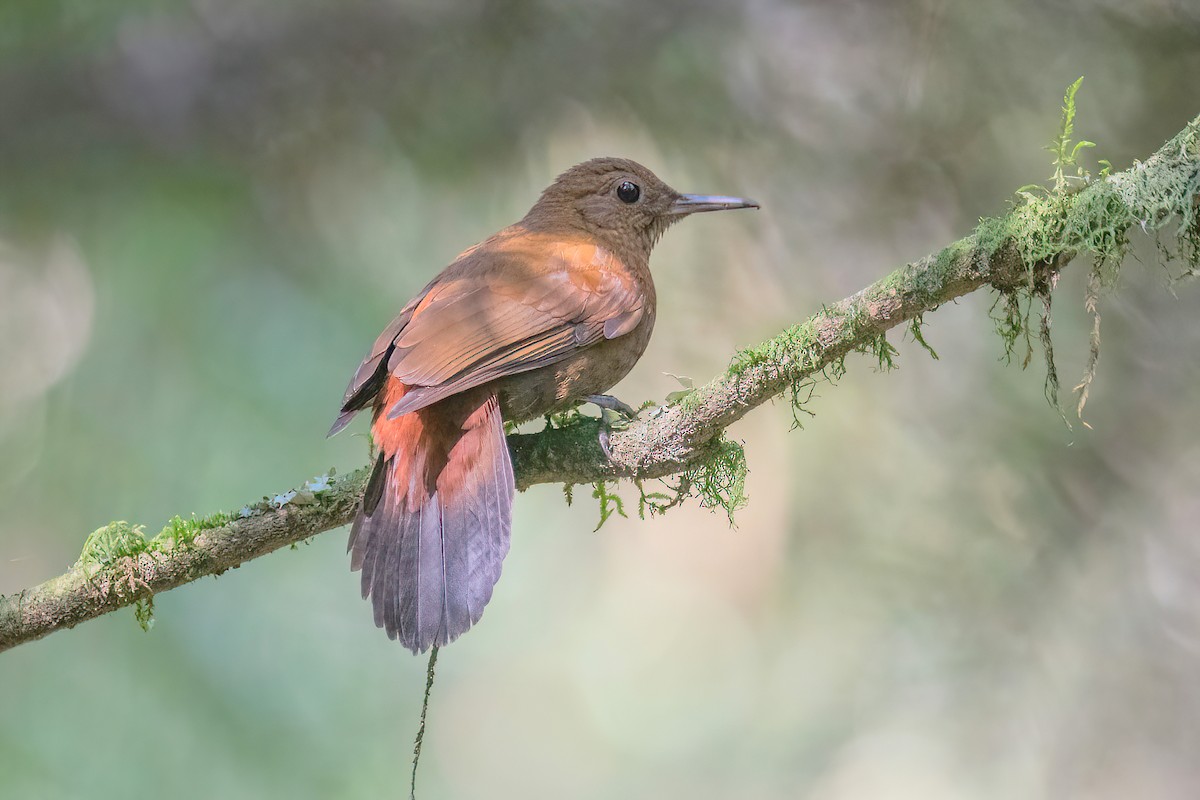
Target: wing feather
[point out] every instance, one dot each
(511, 319)
(515, 303)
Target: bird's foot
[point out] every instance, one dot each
(610, 403)
(614, 416)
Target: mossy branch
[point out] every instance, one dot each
(1018, 254)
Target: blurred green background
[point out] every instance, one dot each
(208, 209)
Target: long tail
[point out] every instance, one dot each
(434, 526)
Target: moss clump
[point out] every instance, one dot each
(567, 438)
(119, 539)
(798, 347)
(179, 532)
(951, 255)
(105, 546)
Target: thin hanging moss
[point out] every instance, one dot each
(610, 504)
(1093, 217)
(718, 481)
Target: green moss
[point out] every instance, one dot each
(719, 481)
(105, 546)
(119, 539)
(918, 336)
(1078, 215)
(108, 545)
(1066, 152)
(881, 350)
(991, 234)
(568, 438)
(1011, 321)
(820, 343)
(610, 503)
(176, 533)
(143, 612)
(950, 256)
(565, 419)
(179, 532)
(797, 344)
(1094, 218)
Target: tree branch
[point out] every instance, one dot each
(1017, 254)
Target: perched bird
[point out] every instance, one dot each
(546, 314)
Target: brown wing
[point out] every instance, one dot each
(509, 319)
(511, 305)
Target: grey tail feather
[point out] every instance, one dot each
(430, 570)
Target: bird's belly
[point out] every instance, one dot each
(595, 370)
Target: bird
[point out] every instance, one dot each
(543, 316)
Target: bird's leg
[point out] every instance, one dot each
(611, 403)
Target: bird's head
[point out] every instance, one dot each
(620, 203)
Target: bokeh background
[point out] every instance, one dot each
(208, 209)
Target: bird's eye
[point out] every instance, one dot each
(629, 192)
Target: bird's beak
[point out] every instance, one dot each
(692, 203)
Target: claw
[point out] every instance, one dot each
(604, 445)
